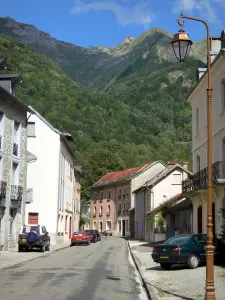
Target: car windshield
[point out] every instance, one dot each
(78, 233)
(28, 228)
(177, 240)
(89, 232)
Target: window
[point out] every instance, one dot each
(123, 206)
(15, 173)
(109, 194)
(32, 218)
(95, 196)
(1, 167)
(120, 193)
(124, 191)
(66, 223)
(197, 121)
(119, 208)
(16, 138)
(197, 163)
(176, 179)
(31, 129)
(222, 95)
(108, 210)
(101, 195)
(94, 211)
(100, 211)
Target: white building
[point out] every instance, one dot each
(51, 179)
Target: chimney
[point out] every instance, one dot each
(171, 163)
(222, 38)
(9, 81)
(215, 47)
(185, 165)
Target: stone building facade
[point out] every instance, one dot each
(13, 161)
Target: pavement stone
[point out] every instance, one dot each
(178, 283)
(12, 258)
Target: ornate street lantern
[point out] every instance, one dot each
(181, 45)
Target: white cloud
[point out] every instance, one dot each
(206, 8)
(139, 13)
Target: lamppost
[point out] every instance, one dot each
(181, 45)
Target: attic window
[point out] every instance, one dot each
(176, 179)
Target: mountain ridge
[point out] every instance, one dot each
(95, 68)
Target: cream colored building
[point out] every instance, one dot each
(196, 186)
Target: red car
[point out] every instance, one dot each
(80, 237)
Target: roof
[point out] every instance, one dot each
(206, 72)
(31, 157)
(120, 176)
(161, 175)
(158, 208)
(12, 98)
(13, 77)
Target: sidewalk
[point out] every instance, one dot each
(178, 283)
(14, 258)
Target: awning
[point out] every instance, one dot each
(31, 157)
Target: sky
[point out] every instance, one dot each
(108, 22)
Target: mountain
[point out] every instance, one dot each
(126, 103)
(98, 68)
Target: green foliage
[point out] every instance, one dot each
(141, 117)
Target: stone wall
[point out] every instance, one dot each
(13, 111)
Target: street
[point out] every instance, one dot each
(97, 272)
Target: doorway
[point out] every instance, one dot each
(123, 228)
(70, 228)
(200, 219)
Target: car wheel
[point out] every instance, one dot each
(166, 266)
(47, 248)
(88, 243)
(20, 249)
(42, 249)
(193, 261)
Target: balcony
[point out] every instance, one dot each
(16, 196)
(2, 193)
(199, 181)
(29, 196)
(15, 149)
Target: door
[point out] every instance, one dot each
(123, 228)
(199, 245)
(200, 219)
(70, 228)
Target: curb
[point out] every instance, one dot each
(17, 264)
(149, 290)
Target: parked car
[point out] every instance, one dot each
(79, 238)
(186, 249)
(33, 236)
(94, 235)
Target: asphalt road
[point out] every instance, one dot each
(101, 271)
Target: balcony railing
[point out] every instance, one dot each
(199, 180)
(15, 149)
(16, 193)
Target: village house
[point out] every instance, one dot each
(112, 203)
(151, 195)
(13, 159)
(77, 193)
(55, 201)
(196, 186)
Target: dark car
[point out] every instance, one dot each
(186, 249)
(94, 235)
(33, 236)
